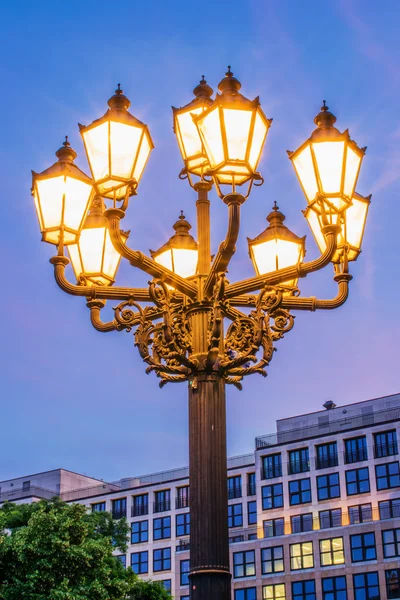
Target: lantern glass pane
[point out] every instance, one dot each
(111, 258)
(39, 214)
(91, 244)
(210, 128)
(50, 195)
(259, 134)
(142, 158)
(165, 259)
(185, 261)
(124, 143)
(304, 166)
(276, 254)
(329, 158)
(77, 195)
(315, 227)
(355, 217)
(237, 130)
(352, 165)
(73, 250)
(96, 140)
(188, 135)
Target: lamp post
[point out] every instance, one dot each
(179, 320)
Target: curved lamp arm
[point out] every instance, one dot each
(141, 261)
(342, 279)
(94, 291)
(300, 270)
(228, 246)
(95, 308)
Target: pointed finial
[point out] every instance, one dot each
(229, 84)
(118, 90)
(182, 216)
(203, 90)
(229, 72)
(119, 101)
(324, 107)
(325, 118)
(275, 206)
(66, 153)
(66, 142)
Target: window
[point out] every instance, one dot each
(327, 456)
(385, 444)
(162, 501)
(162, 559)
(166, 583)
(363, 547)
(299, 461)
(391, 543)
(387, 476)
(272, 496)
(182, 497)
(246, 594)
(119, 508)
(274, 592)
(357, 481)
(182, 524)
(184, 569)
(139, 532)
(366, 586)
(328, 486)
(271, 466)
(99, 507)
(334, 588)
(185, 598)
(140, 562)
(252, 512)
(244, 564)
(122, 559)
(26, 486)
(140, 505)
(274, 527)
(330, 518)
(301, 523)
(355, 450)
(234, 487)
(299, 491)
(303, 590)
(360, 514)
(272, 560)
(235, 515)
(389, 509)
(331, 552)
(393, 583)
(162, 528)
(301, 556)
(251, 484)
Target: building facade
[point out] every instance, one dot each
(314, 511)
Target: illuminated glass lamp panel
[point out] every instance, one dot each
(233, 131)
(180, 253)
(189, 141)
(328, 163)
(62, 195)
(276, 247)
(117, 146)
(94, 259)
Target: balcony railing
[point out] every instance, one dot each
(326, 462)
(353, 456)
(298, 466)
(140, 510)
(382, 450)
(161, 506)
(119, 514)
(182, 502)
(234, 492)
(31, 492)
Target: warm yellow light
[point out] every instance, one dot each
(117, 146)
(94, 258)
(233, 131)
(276, 247)
(328, 163)
(180, 253)
(62, 196)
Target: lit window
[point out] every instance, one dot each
(301, 556)
(274, 592)
(331, 552)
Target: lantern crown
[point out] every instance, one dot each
(202, 89)
(324, 118)
(276, 229)
(66, 153)
(229, 84)
(119, 101)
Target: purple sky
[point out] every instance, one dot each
(78, 399)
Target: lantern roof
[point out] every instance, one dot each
(229, 88)
(65, 165)
(202, 95)
(276, 230)
(181, 239)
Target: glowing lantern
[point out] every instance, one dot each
(180, 253)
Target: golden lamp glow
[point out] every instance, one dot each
(352, 221)
(94, 259)
(328, 163)
(180, 253)
(233, 130)
(62, 196)
(117, 146)
(276, 247)
(190, 144)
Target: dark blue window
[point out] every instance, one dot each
(304, 590)
(387, 476)
(252, 512)
(363, 547)
(366, 586)
(235, 515)
(139, 532)
(162, 559)
(185, 568)
(272, 496)
(334, 588)
(328, 486)
(299, 491)
(140, 562)
(246, 594)
(182, 524)
(162, 528)
(357, 481)
(271, 466)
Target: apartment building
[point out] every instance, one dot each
(314, 511)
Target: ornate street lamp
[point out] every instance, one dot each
(188, 324)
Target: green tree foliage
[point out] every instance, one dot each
(50, 550)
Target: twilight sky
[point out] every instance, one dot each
(78, 399)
